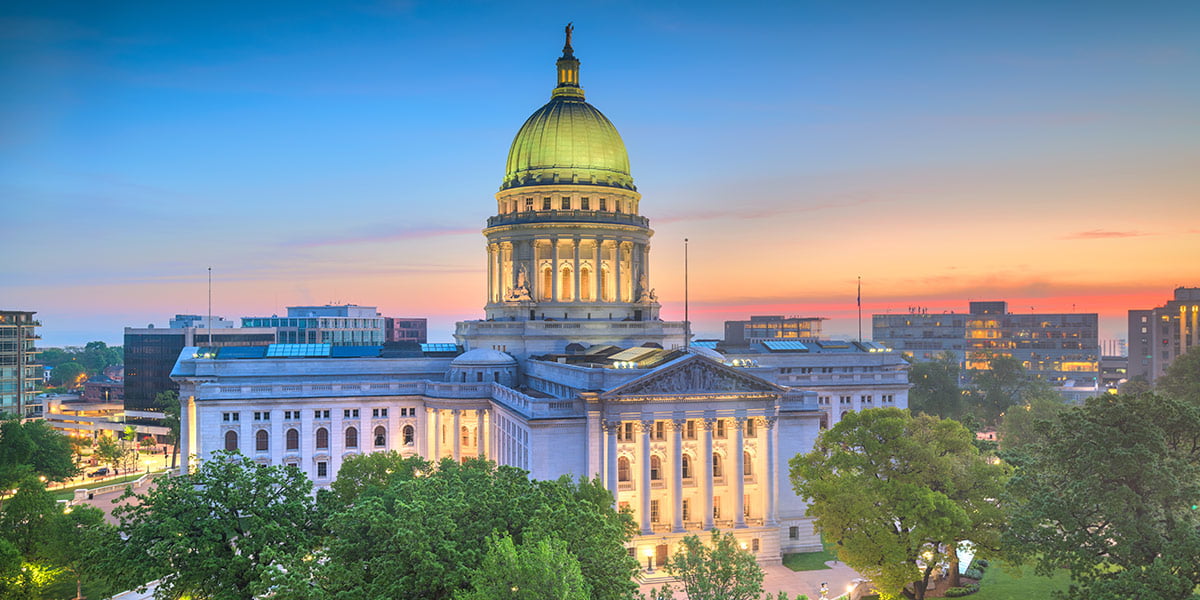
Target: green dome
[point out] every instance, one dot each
(567, 140)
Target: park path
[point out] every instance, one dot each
(779, 578)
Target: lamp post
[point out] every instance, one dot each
(649, 552)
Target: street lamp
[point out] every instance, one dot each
(649, 555)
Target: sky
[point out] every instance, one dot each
(1044, 153)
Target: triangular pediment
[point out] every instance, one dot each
(694, 374)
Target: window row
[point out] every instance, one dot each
(262, 438)
(658, 432)
(320, 413)
(566, 203)
(685, 468)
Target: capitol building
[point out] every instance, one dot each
(570, 372)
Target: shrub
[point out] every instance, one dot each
(966, 590)
(982, 563)
(973, 573)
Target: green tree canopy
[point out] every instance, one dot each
(219, 532)
(1182, 378)
(33, 449)
(415, 533)
(169, 402)
(68, 374)
(531, 571)
(720, 570)
(1002, 385)
(1020, 424)
(1108, 492)
(110, 450)
(897, 493)
(935, 389)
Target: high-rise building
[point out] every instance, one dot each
(1060, 348)
(406, 329)
(771, 327)
(151, 352)
(1158, 335)
(571, 372)
(20, 374)
(337, 324)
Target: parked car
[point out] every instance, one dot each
(101, 472)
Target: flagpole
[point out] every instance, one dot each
(687, 325)
(860, 308)
(210, 307)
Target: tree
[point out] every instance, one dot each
(722, 570)
(69, 374)
(935, 388)
(70, 539)
(1135, 385)
(1108, 493)
(415, 533)
(531, 571)
(169, 401)
(897, 493)
(219, 532)
(999, 387)
(26, 515)
(111, 451)
(1019, 427)
(1182, 378)
(33, 449)
(374, 472)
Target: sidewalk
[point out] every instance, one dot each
(780, 578)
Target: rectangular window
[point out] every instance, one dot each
(603, 204)
(378, 412)
(584, 204)
(716, 507)
(687, 510)
(720, 428)
(690, 431)
(566, 203)
(654, 511)
(322, 469)
(546, 203)
(793, 533)
(754, 545)
(660, 430)
(350, 413)
(529, 204)
(320, 414)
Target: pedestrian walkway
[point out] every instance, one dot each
(778, 578)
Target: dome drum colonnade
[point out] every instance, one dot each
(567, 240)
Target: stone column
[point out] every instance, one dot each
(554, 274)
(644, 484)
(457, 435)
(575, 278)
(491, 273)
(610, 437)
(488, 451)
(435, 435)
(770, 477)
(617, 269)
(677, 474)
(534, 277)
(646, 265)
(739, 473)
(479, 434)
(706, 463)
(596, 271)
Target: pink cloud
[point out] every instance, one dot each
(1101, 234)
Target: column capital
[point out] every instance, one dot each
(770, 422)
(612, 426)
(741, 421)
(646, 425)
(710, 423)
(676, 424)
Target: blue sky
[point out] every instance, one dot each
(1041, 152)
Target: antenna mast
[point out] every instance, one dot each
(210, 307)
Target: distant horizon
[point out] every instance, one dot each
(1038, 153)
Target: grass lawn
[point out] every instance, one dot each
(998, 584)
(810, 561)
(68, 493)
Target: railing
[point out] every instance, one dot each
(590, 216)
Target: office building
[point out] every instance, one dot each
(772, 327)
(337, 324)
(1157, 336)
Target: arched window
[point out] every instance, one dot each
(380, 437)
(747, 464)
(262, 440)
(322, 438)
(717, 472)
(623, 469)
(585, 284)
(547, 283)
(293, 439)
(351, 437)
(409, 435)
(231, 441)
(565, 289)
(605, 280)
(466, 436)
(685, 467)
(655, 468)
